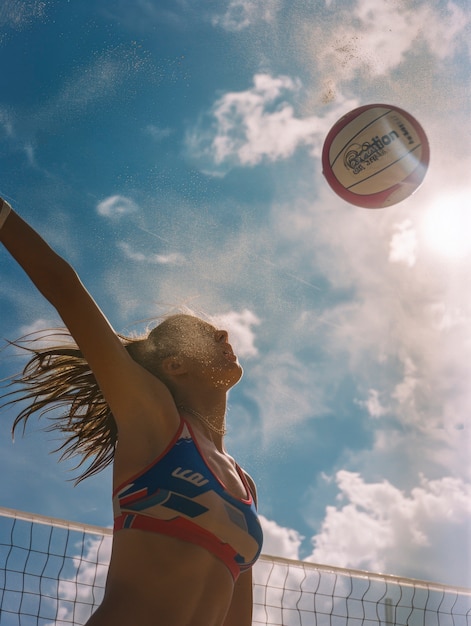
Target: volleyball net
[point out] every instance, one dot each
(53, 572)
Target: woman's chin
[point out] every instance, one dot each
(227, 378)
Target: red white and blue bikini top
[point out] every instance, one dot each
(178, 495)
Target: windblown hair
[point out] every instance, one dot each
(58, 379)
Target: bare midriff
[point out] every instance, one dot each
(154, 580)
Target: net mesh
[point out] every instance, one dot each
(53, 572)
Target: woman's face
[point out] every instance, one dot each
(207, 352)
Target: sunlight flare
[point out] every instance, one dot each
(447, 225)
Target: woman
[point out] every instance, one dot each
(186, 529)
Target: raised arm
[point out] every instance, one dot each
(123, 382)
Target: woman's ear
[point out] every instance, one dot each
(174, 366)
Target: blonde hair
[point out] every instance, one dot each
(59, 378)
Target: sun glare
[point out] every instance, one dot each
(447, 225)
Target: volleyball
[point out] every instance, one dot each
(375, 156)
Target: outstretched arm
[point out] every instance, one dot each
(121, 379)
(52, 275)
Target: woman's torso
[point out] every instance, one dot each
(157, 579)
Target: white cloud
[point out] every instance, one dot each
(174, 258)
(287, 393)
(446, 318)
(240, 328)
(404, 331)
(6, 122)
(116, 206)
(442, 30)
(280, 541)
(36, 327)
(371, 39)
(401, 336)
(241, 14)
(373, 404)
(404, 391)
(30, 154)
(45, 333)
(380, 528)
(157, 133)
(258, 124)
(403, 245)
(91, 564)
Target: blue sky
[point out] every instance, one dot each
(171, 151)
